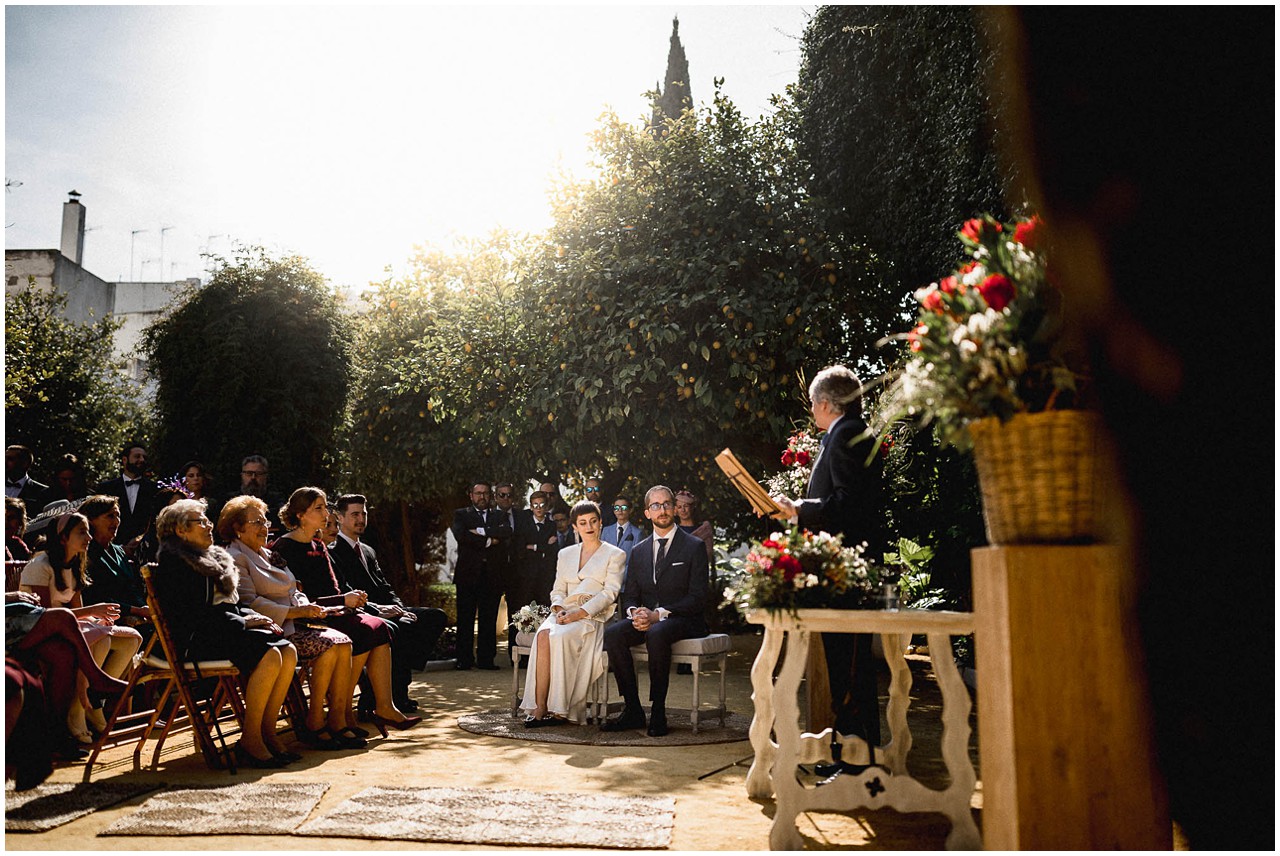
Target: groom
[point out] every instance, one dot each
(663, 599)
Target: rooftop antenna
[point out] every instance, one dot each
(163, 229)
(133, 236)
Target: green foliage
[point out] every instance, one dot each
(896, 119)
(933, 500)
(257, 361)
(62, 390)
(674, 309)
(442, 596)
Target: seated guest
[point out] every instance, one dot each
(196, 584)
(306, 513)
(114, 578)
(167, 493)
(57, 576)
(416, 628)
(267, 586)
(15, 526)
(68, 482)
(664, 599)
(45, 654)
(329, 532)
(566, 657)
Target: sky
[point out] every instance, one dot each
(346, 135)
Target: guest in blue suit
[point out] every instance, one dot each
(622, 533)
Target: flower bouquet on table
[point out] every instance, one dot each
(529, 618)
(798, 569)
(798, 460)
(988, 340)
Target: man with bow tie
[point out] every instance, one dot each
(845, 497)
(18, 481)
(483, 538)
(135, 492)
(663, 600)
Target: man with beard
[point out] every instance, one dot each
(482, 536)
(134, 492)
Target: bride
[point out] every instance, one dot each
(568, 652)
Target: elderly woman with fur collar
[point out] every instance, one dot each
(196, 584)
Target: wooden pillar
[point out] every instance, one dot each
(1064, 727)
(818, 687)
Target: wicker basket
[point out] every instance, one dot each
(1043, 477)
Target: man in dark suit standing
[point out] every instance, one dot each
(416, 628)
(18, 481)
(845, 497)
(135, 493)
(483, 537)
(664, 599)
(536, 548)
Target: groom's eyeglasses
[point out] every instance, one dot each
(661, 506)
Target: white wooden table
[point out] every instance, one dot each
(777, 710)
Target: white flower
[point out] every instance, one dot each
(959, 334)
(811, 580)
(975, 276)
(968, 348)
(922, 293)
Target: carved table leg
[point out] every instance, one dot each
(758, 784)
(788, 791)
(895, 752)
(955, 745)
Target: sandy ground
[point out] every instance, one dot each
(708, 782)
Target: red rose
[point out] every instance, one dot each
(788, 458)
(770, 544)
(802, 458)
(966, 267)
(1025, 233)
(997, 290)
(949, 285)
(790, 566)
(932, 301)
(972, 229)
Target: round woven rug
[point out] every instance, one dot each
(500, 723)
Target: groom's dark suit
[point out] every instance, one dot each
(678, 585)
(845, 498)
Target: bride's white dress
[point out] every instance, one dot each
(577, 648)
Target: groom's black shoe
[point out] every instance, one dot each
(630, 718)
(658, 722)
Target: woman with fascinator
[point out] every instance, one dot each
(568, 651)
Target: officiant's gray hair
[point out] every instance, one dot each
(839, 387)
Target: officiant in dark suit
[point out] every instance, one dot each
(664, 599)
(416, 628)
(483, 539)
(845, 497)
(135, 492)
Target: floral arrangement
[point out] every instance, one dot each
(988, 337)
(798, 460)
(529, 618)
(798, 569)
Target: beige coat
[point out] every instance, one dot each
(595, 588)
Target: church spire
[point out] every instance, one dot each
(674, 97)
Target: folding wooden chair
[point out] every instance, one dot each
(178, 706)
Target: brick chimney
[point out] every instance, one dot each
(73, 229)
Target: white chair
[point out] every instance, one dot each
(711, 650)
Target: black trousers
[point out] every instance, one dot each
(658, 639)
(411, 643)
(478, 599)
(851, 671)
